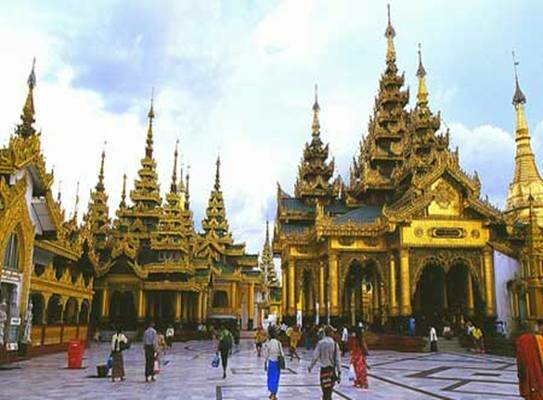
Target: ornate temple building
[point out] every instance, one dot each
(271, 304)
(408, 234)
(45, 291)
(151, 263)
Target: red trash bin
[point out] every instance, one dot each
(75, 354)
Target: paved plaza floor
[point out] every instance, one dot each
(187, 374)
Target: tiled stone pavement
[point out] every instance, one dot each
(187, 374)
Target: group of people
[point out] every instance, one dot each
(329, 349)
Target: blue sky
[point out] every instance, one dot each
(237, 77)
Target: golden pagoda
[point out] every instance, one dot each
(409, 235)
(524, 215)
(153, 265)
(45, 292)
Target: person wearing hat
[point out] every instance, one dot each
(327, 353)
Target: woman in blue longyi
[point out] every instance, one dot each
(273, 351)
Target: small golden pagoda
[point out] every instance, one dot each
(45, 292)
(408, 236)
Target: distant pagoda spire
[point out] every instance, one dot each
(268, 266)
(422, 94)
(215, 224)
(173, 185)
(76, 203)
(390, 33)
(25, 128)
(97, 216)
(100, 184)
(59, 193)
(527, 181)
(315, 171)
(146, 193)
(187, 188)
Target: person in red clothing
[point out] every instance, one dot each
(359, 350)
(530, 363)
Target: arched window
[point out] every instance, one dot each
(11, 255)
(220, 299)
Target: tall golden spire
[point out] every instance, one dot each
(100, 184)
(187, 188)
(316, 126)
(422, 95)
(526, 189)
(76, 204)
(525, 167)
(151, 116)
(390, 33)
(217, 185)
(215, 223)
(173, 185)
(25, 129)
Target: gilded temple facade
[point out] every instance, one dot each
(45, 292)
(407, 235)
(152, 264)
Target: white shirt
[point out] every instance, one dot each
(344, 335)
(116, 340)
(169, 332)
(273, 349)
(433, 334)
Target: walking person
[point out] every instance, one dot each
(359, 350)
(295, 336)
(150, 344)
(260, 338)
(433, 339)
(327, 353)
(344, 340)
(226, 341)
(170, 332)
(119, 342)
(530, 363)
(273, 351)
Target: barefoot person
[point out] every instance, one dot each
(358, 359)
(530, 363)
(118, 343)
(273, 350)
(260, 338)
(226, 341)
(327, 353)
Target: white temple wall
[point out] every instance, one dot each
(505, 269)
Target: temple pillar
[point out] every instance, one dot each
(204, 306)
(392, 287)
(470, 304)
(489, 282)
(251, 305)
(405, 283)
(178, 306)
(234, 301)
(141, 304)
(322, 307)
(291, 289)
(333, 281)
(284, 291)
(105, 302)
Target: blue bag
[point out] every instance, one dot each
(216, 361)
(110, 362)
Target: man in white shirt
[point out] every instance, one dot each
(344, 340)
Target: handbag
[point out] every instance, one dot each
(109, 363)
(124, 346)
(216, 360)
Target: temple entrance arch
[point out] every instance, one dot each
(362, 295)
(430, 295)
(307, 296)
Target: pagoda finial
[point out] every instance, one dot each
(151, 116)
(218, 174)
(76, 205)
(173, 185)
(100, 184)
(122, 204)
(422, 95)
(267, 242)
(316, 127)
(59, 194)
(518, 97)
(390, 33)
(25, 129)
(187, 189)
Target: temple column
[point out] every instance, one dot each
(251, 305)
(204, 306)
(178, 306)
(234, 300)
(470, 304)
(199, 307)
(105, 302)
(392, 287)
(291, 289)
(333, 281)
(141, 304)
(489, 282)
(284, 291)
(322, 306)
(405, 283)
